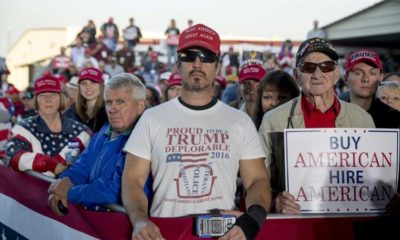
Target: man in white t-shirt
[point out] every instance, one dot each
(194, 146)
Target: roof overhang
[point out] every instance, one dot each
(375, 26)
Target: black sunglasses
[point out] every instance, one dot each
(309, 67)
(204, 56)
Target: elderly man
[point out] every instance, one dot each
(196, 151)
(95, 179)
(317, 107)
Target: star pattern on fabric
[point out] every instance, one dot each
(51, 143)
(16, 145)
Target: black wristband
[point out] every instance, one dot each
(248, 225)
(252, 221)
(258, 213)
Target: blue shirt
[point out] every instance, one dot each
(97, 173)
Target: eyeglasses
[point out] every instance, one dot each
(204, 56)
(309, 67)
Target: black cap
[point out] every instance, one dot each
(316, 45)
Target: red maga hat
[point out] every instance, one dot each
(363, 56)
(174, 79)
(252, 71)
(91, 73)
(221, 80)
(200, 35)
(47, 83)
(12, 90)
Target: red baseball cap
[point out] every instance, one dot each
(200, 35)
(363, 56)
(61, 78)
(91, 73)
(47, 83)
(174, 79)
(12, 90)
(252, 71)
(154, 55)
(221, 80)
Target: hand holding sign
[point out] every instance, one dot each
(286, 203)
(340, 170)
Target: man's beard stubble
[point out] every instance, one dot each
(195, 87)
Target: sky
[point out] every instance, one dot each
(268, 19)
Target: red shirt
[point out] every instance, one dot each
(314, 118)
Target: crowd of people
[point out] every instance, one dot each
(174, 144)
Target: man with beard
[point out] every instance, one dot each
(195, 151)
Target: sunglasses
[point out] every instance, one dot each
(309, 67)
(190, 56)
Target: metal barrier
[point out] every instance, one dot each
(121, 209)
(25, 194)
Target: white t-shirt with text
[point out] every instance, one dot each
(194, 155)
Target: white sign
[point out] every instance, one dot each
(342, 170)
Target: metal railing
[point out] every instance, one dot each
(121, 209)
(112, 207)
(41, 176)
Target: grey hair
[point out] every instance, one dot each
(129, 82)
(395, 85)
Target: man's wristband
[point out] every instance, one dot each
(258, 213)
(252, 221)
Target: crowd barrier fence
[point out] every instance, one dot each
(24, 214)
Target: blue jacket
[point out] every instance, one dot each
(97, 173)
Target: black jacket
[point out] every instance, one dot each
(383, 115)
(95, 123)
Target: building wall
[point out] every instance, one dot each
(34, 46)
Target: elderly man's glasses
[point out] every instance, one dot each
(309, 67)
(204, 56)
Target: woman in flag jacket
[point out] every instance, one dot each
(42, 142)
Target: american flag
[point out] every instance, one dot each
(187, 157)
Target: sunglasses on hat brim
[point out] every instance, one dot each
(310, 67)
(204, 56)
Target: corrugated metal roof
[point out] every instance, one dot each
(375, 26)
(355, 14)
